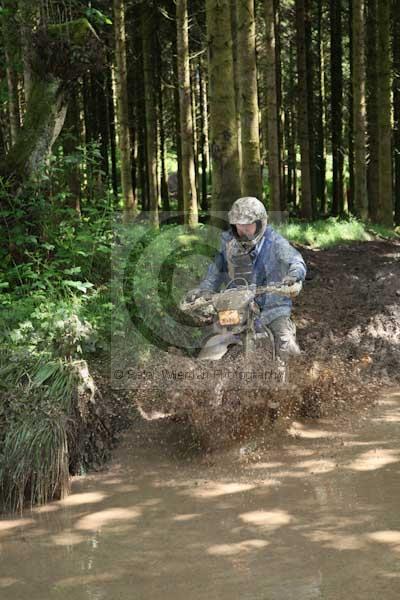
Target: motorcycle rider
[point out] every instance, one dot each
(252, 250)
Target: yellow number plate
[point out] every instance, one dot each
(229, 317)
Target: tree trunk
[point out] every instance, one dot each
(48, 100)
(310, 100)
(396, 106)
(28, 15)
(350, 121)
(103, 123)
(194, 104)
(236, 76)
(248, 101)
(224, 140)
(278, 6)
(203, 137)
(320, 114)
(372, 108)
(337, 107)
(185, 104)
(177, 129)
(290, 121)
(129, 200)
(163, 183)
(11, 50)
(303, 124)
(151, 112)
(358, 59)
(274, 169)
(161, 125)
(385, 207)
(110, 117)
(71, 141)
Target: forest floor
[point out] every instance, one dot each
(348, 327)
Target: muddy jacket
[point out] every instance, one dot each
(272, 259)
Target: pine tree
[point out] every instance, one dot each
(150, 112)
(224, 139)
(359, 116)
(248, 101)
(303, 114)
(385, 206)
(185, 103)
(129, 200)
(337, 106)
(274, 168)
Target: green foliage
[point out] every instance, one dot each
(55, 311)
(332, 231)
(97, 17)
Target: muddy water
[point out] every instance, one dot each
(315, 518)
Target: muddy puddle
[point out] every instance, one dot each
(316, 517)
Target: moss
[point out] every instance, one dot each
(76, 32)
(36, 136)
(59, 55)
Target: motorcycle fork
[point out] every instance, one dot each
(249, 336)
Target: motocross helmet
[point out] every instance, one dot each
(246, 211)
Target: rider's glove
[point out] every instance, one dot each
(192, 295)
(290, 280)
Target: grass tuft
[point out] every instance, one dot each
(38, 422)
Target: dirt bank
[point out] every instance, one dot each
(350, 306)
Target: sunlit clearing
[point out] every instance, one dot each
(112, 481)
(299, 430)
(12, 524)
(374, 459)
(390, 400)
(317, 466)
(99, 519)
(385, 537)
(150, 502)
(375, 443)
(337, 541)
(213, 489)
(238, 548)
(265, 465)
(67, 538)
(390, 417)
(7, 581)
(91, 579)
(46, 508)
(78, 499)
(127, 488)
(298, 452)
(267, 519)
(188, 517)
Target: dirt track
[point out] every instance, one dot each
(315, 519)
(350, 307)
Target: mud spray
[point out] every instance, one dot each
(348, 325)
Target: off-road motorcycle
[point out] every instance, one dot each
(234, 316)
(236, 338)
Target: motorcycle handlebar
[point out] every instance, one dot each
(278, 288)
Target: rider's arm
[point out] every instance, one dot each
(291, 260)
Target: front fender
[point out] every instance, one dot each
(217, 346)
